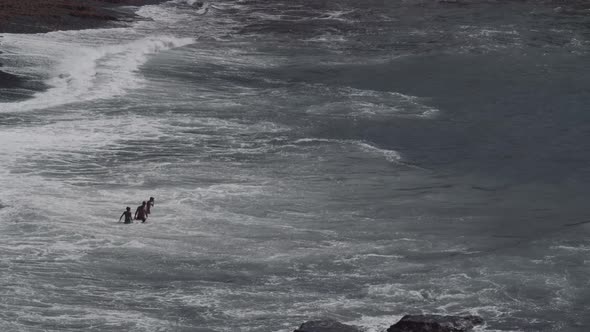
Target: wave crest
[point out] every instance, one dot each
(88, 73)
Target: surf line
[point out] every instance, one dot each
(578, 223)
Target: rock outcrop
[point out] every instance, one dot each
(408, 323)
(435, 323)
(326, 325)
(33, 16)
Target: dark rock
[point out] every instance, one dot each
(326, 325)
(435, 323)
(35, 16)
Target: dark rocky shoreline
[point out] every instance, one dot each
(408, 323)
(37, 16)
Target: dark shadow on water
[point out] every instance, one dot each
(14, 88)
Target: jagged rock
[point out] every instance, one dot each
(326, 325)
(435, 323)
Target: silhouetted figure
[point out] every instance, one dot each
(140, 213)
(150, 203)
(127, 214)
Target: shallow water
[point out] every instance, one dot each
(358, 161)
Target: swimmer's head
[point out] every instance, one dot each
(128, 208)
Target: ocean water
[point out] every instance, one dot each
(343, 159)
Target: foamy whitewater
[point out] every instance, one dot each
(352, 160)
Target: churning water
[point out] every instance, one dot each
(353, 160)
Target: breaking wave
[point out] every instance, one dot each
(88, 73)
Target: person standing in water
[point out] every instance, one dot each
(141, 212)
(150, 203)
(127, 214)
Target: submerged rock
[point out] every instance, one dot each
(326, 325)
(435, 323)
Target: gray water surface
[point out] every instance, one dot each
(358, 161)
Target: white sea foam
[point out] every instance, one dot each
(484, 328)
(396, 291)
(162, 14)
(375, 324)
(231, 125)
(86, 134)
(87, 64)
(85, 73)
(328, 38)
(571, 248)
(371, 104)
(66, 148)
(391, 156)
(488, 38)
(337, 15)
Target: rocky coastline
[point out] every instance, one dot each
(37, 16)
(408, 323)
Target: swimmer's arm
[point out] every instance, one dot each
(121, 216)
